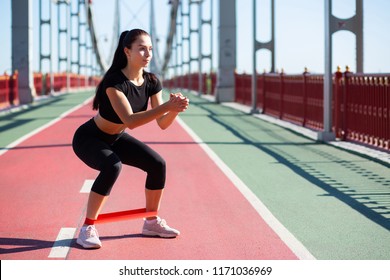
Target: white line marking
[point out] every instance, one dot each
(86, 188)
(62, 244)
(41, 128)
(288, 238)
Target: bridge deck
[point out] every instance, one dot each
(238, 188)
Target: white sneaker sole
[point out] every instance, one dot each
(88, 246)
(163, 235)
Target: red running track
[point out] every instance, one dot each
(41, 180)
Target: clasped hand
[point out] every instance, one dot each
(179, 103)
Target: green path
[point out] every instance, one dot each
(17, 124)
(336, 203)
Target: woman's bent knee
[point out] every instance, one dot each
(156, 175)
(107, 177)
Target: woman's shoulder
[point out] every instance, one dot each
(151, 77)
(116, 76)
(115, 79)
(153, 83)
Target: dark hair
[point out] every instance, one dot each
(119, 61)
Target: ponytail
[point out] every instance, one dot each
(119, 61)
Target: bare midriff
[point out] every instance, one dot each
(107, 126)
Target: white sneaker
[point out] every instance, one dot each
(89, 237)
(159, 227)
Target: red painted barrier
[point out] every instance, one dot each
(191, 82)
(14, 89)
(243, 92)
(293, 99)
(314, 92)
(9, 92)
(60, 81)
(360, 105)
(38, 83)
(272, 95)
(367, 99)
(213, 79)
(4, 91)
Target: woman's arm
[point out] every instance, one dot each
(132, 120)
(167, 119)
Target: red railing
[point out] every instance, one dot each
(294, 98)
(9, 90)
(60, 81)
(243, 92)
(9, 94)
(363, 108)
(13, 89)
(191, 82)
(360, 105)
(38, 83)
(4, 91)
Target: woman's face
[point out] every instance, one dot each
(140, 53)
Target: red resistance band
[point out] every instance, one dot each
(124, 215)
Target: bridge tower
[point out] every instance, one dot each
(22, 48)
(227, 40)
(332, 25)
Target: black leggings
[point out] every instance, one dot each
(106, 153)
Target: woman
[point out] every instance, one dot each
(122, 100)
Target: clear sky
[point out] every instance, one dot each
(299, 32)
